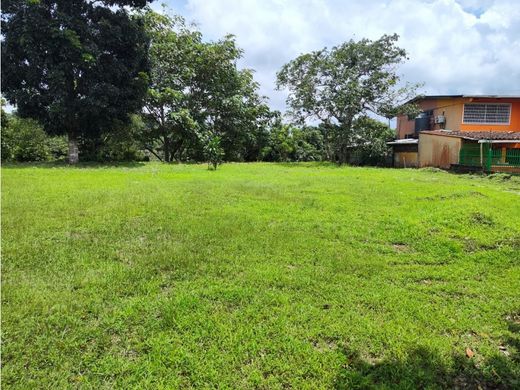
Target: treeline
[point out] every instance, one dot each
(114, 80)
(24, 140)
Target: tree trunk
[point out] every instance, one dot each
(73, 148)
(341, 150)
(343, 155)
(167, 152)
(166, 148)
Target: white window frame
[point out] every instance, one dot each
(487, 123)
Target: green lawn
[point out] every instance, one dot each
(258, 276)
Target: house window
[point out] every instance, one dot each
(489, 113)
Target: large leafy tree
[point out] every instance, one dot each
(171, 129)
(227, 101)
(78, 66)
(339, 85)
(197, 94)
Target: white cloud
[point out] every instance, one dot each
(455, 46)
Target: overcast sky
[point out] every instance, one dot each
(455, 46)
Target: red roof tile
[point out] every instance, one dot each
(478, 135)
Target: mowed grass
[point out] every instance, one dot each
(263, 276)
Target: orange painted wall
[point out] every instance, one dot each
(514, 124)
(452, 109)
(405, 126)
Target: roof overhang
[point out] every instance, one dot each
(487, 136)
(435, 97)
(405, 141)
(498, 141)
(446, 133)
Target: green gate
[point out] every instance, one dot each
(471, 155)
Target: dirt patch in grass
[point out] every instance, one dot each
(401, 247)
(457, 195)
(471, 245)
(430, 281)
(480, 218)
(324, 344)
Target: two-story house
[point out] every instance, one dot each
(460, 130)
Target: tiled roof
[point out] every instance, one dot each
(478, 135)
(433, 97)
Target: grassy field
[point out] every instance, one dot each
(259, 276)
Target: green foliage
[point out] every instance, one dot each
(411, 110)
(5, 148)
(281, 145)
(291, 143)
(25, 140)
(4, 119)
(196, 89)
(213, 151)
(339, 85)
(370, 138)
(122, 143)
(77, 66)
(7, 140)
(58, 147)
(172, 53)
(264, 276)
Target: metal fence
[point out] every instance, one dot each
(512, 157)
(472, 155)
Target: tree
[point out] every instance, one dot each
(231, 105)
(290, 143)
(213, 151)
(121, 143)
(77, 66)
(371, 137)
(172, 54)
(197, 92)
(339, 85)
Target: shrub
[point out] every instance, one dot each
(290, 143)
(370, 137)
(24, 140)
(7, 141)
(213, 151)
(58, 147)
(120, 144)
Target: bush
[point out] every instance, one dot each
(308, 144)
(120, 144)
(111, 148)
(58, 148)
(289, 143)
(24, 140)
(7, 142)
(370, 137)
